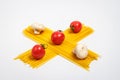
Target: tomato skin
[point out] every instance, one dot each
(57, 37)
(76, 26)
(38, 51)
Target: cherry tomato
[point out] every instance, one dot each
(38, 51)
(57, 37)
(76, 26)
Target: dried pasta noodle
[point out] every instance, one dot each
(64, 50)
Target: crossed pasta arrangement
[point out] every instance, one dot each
(63, 43)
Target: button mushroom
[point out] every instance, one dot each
(81, 51)
(37, 28)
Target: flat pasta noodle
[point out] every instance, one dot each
(64, 50)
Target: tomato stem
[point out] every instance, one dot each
(60, 30)
(44, 46)
(72, 28)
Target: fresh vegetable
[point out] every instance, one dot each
(57, 37)
(37, 28)
(81, 51)
(38, 51)
(76, 26)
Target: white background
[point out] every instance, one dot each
(102, 15)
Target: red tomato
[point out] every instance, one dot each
(76, 26)
(38, 51)
(57, 37)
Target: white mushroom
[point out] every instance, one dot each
(38, 28)
(81, 51)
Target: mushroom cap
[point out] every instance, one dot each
(81, 51)
(38, 28)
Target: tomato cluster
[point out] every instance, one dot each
(57, 38)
